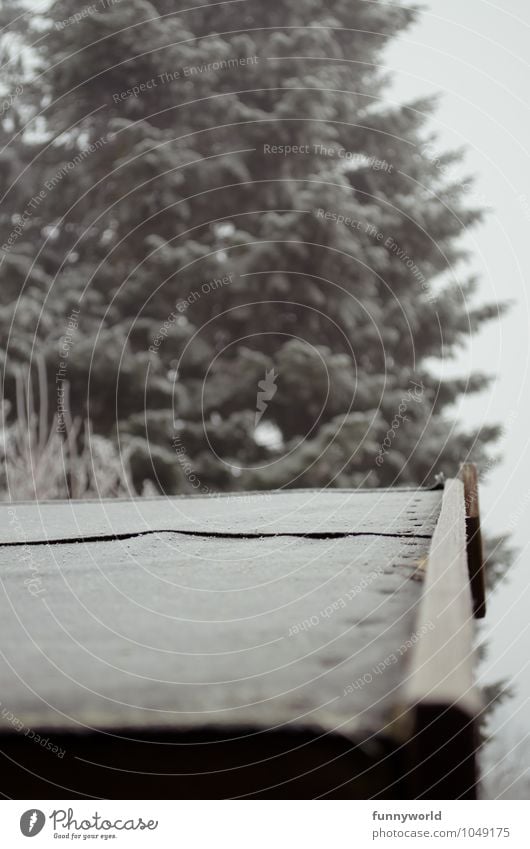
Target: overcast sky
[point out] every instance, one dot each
(474, 53)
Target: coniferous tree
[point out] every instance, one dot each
(265, 257)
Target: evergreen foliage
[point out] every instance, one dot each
(239, 213)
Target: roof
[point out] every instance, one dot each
(341, 615)
(157, 620)
(341, 511)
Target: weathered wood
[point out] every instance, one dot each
(440, 689)
(442, 672)
(240, 644)
(475, 554)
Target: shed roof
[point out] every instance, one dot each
(260, 611)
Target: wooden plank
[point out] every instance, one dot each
(410, 512)
(475, 554)
(440, 689)
(443, 659)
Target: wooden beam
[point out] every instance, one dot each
(440, 691)
(475, 555)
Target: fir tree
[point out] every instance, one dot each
(247, 226)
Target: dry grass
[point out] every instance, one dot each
(57, 459)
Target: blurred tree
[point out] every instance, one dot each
(246, 224)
